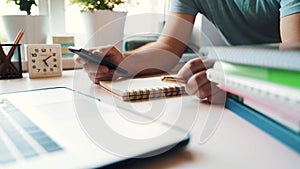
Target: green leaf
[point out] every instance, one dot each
(93, 5)
(24, 5)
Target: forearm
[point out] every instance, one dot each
(290, 28)
(165, 53)
(151, 58)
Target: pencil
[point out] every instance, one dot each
(7, 60)
(16, 41)
(173, 79)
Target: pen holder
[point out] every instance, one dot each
(10, 61)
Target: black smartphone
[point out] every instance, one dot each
(96, 59)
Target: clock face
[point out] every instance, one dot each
(44, 60)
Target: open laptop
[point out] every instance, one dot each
(62, 128)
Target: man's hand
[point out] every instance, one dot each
(197, 83)
(101, 72)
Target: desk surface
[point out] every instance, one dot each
(234, 144)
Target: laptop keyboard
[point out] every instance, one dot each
(20, 137)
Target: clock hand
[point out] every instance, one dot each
(48, 57)
(45, 60)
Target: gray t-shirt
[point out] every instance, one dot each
(242, 21)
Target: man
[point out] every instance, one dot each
(239, 21)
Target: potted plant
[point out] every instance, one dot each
(103, 25)
(24, 5)
(35, 26)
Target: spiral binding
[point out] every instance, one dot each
(158, 92)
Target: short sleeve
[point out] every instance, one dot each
(184, 6)
(289, 7)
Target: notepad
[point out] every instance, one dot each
(143, 88)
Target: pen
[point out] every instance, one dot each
(96, 59)
(169, 78)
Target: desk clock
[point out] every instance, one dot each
(44, 60)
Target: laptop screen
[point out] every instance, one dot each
(57, 127)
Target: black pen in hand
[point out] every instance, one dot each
(96, 59)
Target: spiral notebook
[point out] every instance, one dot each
(143, 88)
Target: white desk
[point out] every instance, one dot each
(235, 143)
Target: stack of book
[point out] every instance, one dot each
(263, 85)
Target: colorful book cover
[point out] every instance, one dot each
(273, 94)
(280, 76)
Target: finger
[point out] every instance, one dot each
(208, 63)
(195, 82)
(190, 68)
(204, 91)
(111, 75)
(101, 75)
(215, 88)
(110, 52)
(93, 68)
(93, 79)
(208, 90)
(79, 60)
(96, 78)
(218, 98)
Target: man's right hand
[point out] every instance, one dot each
(100, 72)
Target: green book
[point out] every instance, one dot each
(279, 76)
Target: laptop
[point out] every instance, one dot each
(63, 128)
